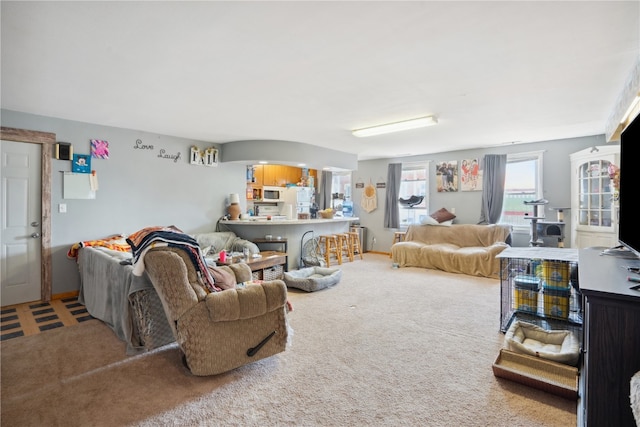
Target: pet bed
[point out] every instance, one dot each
(312, 278)
(556, 345)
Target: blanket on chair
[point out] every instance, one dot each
(152, 237)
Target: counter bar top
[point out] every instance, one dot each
(293, 231)
(289, 221)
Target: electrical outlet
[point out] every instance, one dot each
(453, 210)
(374, 240)
(62, 208)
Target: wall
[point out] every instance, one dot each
(556, 186)
(136, 188)
(288, 152)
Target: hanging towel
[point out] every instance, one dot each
(369, 200)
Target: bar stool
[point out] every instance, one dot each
(330, 244)
(355, 243)
(345, 247)
(398, 237)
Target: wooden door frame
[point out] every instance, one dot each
(47, 140)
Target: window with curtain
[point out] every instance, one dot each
(414, 183)
(523, 182)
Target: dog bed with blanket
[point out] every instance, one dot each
(312, 278)
(557, 345)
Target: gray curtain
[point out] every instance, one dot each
(391, 210)
(494, 169)
(324, 190)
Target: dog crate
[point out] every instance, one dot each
(540, 285)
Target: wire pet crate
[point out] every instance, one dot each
(541, 291)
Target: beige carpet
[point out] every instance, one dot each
(384, 347)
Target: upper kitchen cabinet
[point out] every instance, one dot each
(272, 175)
(278, 175)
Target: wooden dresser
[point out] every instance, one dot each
(611, 339)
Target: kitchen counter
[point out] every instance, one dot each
(255, 221)
(293, 230)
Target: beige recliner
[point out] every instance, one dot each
(218, 331)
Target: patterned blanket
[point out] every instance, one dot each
(116, 242)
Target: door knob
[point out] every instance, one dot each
(35, 235)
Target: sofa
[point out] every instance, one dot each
(456, 248)
(214, 242)
(127, 303)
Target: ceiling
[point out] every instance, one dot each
(493, 73)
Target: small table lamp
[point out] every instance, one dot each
(234, 207)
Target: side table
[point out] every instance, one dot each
(270, 266)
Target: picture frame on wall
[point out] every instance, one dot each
(447, 176)
(470, 175)
(81, 163)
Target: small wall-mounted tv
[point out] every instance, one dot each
(628, 226)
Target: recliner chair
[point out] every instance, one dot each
(218, 331)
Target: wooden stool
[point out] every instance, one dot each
(345, 247)
(355, 243)
(398, 237)
(330, 244)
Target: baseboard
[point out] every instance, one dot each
(64, 295)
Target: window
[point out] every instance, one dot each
(523, 182)
(414, 182)
(341, 192)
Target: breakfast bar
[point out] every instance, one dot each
(290, 230)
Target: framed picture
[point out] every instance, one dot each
(99, 149)
(81, 163)
(64, 151)
(470, 175)
(447, 176)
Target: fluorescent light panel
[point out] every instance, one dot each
(396, 127)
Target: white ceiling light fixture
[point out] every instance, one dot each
(420, 122)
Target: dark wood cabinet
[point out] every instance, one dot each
(611, 339)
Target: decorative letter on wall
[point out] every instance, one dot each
(211, 157)
(208, 157)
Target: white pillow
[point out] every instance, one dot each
(428, 220)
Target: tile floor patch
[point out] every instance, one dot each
(33, 318)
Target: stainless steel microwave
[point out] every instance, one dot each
(272, 194)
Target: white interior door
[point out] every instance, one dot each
(20, 268)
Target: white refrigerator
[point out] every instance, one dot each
(299, 198)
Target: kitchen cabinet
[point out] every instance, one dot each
(278, 175)
(271, 175)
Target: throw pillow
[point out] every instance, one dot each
(428, 220)
(442, 215)
(222, 278)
